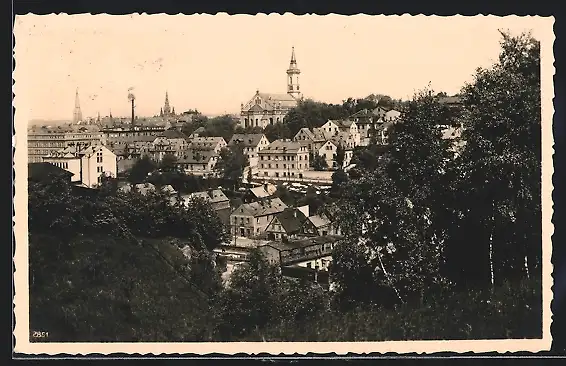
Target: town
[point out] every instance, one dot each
(294, 237)
(295, 219)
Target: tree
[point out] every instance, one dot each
(222, 126)
(139, 171)
(251, 298)
(339, 182)
(310, 114)
(231, 163)
(340, 156)
(277, 131)
(168, 163)
(498, 187)
(318, 162)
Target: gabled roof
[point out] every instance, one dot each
(212, 196)
(263, 207)
(305, 131)
(263, 191)
(302, 243)
(379, 111)
(256, 108)
(40, 171)
(77, 151)
(246, 139)
(205, 143)
(291, 219)
(197, 156)
(344, 123)
(281, 146)
(319, 221)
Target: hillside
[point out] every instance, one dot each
(98, 289)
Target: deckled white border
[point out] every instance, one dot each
(21, 299)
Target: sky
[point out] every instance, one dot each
(216, 62)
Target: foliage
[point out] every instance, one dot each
(220, 126)
(497, 175)
(311, 114)
(168, 163)
(231, 163)
(141, 168)
(103, 289)
(251, 298)
(340, 156)
(339, 182)
(318, 162)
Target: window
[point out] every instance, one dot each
(99, 169)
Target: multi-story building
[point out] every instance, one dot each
(172, 142)
(88, 163)
(251, 144)
(251, 219)
(207, 143)
(199, 162)
(43, 141)
(313, 140)
(283, 158)
(265, 109)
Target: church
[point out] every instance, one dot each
(266, 108)
(166, 110)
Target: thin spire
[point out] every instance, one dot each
(293, 59)
(77, 114)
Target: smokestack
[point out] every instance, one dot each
(133, 117)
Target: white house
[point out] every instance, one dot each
(251, 144)
(88, 163)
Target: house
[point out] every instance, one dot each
(216, 198)
(199, 162)
(251, 219)
(38, 172)
(283, 158)
(287, 224)
(321, 224)
(315, 252)
(87, 162)
(207, 143)
(328, 129)
(260, 192)
(329, 149)
(171, 142)
(308, 138)
(251, 144)
(392, 115)
(196, 133)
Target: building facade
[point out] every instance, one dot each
(88, 163)
(43, 141)
(283, 158)
(251, 144)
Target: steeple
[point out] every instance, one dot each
(166, 107)
(77, 114)
(293, 77)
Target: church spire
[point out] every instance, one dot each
(77, 114)
(166, 107)
(293, 76)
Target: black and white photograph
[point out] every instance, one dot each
(282, 184)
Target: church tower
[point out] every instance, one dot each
(166, 107)
(77, 114)
(293, 77)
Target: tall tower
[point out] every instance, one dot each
(293, 77)
(166, 107)
(77, 114)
